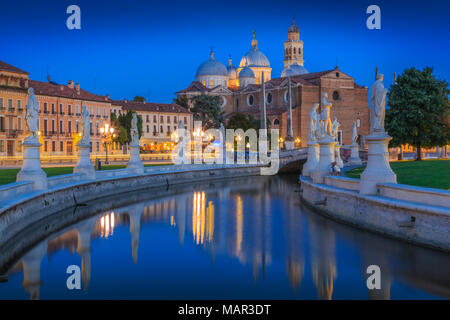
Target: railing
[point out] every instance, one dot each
(430, 196)
(342, 182)
(12, 190)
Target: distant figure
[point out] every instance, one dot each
(334, 169)
(85, 126)
(377, 105)
(354, 133)
(32, 115)
(325, 120)
(334, 128)
(134, 131)
(314, 123)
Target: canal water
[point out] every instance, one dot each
(246, 238)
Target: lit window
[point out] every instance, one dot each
(212, 82)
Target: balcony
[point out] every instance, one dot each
(11, 109)
(98, 116)
(2, 108)
(155, 133)
(45, 111)
(61, 113)
(78, 114)
(69, 113)
(20, 109)
(106, 117)
(91, 115)
(54, 112)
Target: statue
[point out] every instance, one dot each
(354, 133)
(134, 130)
(334, 128)
(32, 116)
(377, 105)
(325, 121)
(85, 126)
(314, 124)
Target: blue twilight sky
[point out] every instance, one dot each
(128, 48)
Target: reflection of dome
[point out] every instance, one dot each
(212, 67)
(294, 70)
(246, 73)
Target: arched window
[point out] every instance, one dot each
(276, 122)
(294, 51)
(250, 100)
(269, 98)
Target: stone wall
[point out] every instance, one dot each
(421, 224)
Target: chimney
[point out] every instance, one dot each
(77, 87)
(107, 96)
(49, 79)
(70, 84)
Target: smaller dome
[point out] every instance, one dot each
(212, 67)
(294, 70)
(293, 28)
(232, 71)
(246, 72)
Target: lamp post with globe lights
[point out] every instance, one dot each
(108, 134)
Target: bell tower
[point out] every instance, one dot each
(293, 47)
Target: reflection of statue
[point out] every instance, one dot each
(377, 105)
(314, 123)
(354, 133)
(85, 126)
(32, 115)
(325, 120)
(181, 144)
(134, 131)
(334, 128)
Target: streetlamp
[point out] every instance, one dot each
(108, 134)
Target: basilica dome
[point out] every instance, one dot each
(212, 67)
(246, 72)
(294, 70)
(254, 58)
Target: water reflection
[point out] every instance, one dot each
(258, 222)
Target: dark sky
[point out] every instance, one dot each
(128, 48)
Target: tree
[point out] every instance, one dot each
(182, 101)
(240, 121)
(139, 99)
(122, 124)
(207, 109)
(418, 110)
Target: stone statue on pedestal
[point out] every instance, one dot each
(32, 116)
(85, 127)
(354, 133)
(325, 120)
(377, 106)
(134, 131)
(314, 124)
(334, 128)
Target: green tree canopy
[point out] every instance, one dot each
(240, 121)
(122, 124)
(183, 101)
(207, 109)
(418, 110)
(139, 99)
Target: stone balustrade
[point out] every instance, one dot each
(64, 179)
(430, 196)
(13, 190)
(342, 182)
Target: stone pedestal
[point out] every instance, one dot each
(354, 159)
(337, 155)
(289, 145)
(312, 160)
(135, 164)
(84, 164)
(326, 157)
(31, 168)
(378, 169)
